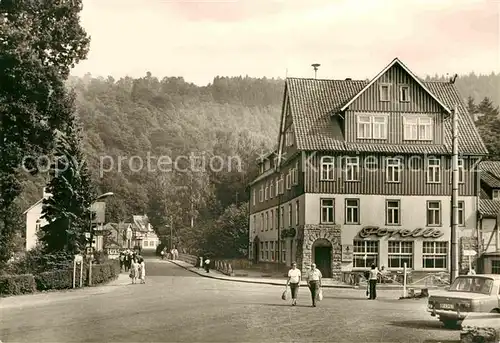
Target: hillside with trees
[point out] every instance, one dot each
(133, 120)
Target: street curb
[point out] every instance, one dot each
(252, 281)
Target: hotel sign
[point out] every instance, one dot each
(368, 231)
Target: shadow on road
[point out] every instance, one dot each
(274, 305)
(419, 324)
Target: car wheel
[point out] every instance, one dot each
(450, 323)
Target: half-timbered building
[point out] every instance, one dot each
(362, 175)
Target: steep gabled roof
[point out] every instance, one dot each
(490, 173)
(312, 103)
(396, 61)
(32, 206)
(489, 208)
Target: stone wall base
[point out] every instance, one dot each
(307, 235)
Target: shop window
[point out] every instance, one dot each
(435, 255)
(365, 254)
(495, 267)
(400, 252)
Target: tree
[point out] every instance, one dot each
(228, 236)
(67, 210)
(41, 41)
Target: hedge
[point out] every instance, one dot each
(57, 279)
(17, 284)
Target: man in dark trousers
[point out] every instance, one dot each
(207, 265)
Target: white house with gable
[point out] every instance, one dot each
(34, 221)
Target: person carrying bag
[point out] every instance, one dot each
(294, 277)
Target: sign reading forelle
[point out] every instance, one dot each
(390, 232)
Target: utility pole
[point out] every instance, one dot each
(454, 200)
(171, 233)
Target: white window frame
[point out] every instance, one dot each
(350, 209)
(393, 170)
(266, 221)
(495, 194)
(254, 196)
(271, 220)
(327, 168)
(277, 188)
(290, 215)
(266, 192)
(380, 123)
(352, 169)
(282, 214)
(267, 251)
(393, 213)
(461, 213)
(365, 122)
(282, 185)
(289, 136)
(369, 122)
(434, 170)
(288, 181)
(262, 222)
(404, 90)
(398, 249)
(261, 194)
(297, 212)
(283, 251)
(362, 250)
(381, 93)
(412, 128)
(434, 210)
(434, 251)
(461, 170)
(296, 174)
(330, 217)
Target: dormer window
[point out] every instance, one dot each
(495, 195)
(404, 94)
(385, 92)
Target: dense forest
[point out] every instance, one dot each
(133, 120)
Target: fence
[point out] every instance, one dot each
(221, 266)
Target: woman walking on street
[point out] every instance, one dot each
(142, 274)
(314, 280)
(374, 273)
(134, 270)
(294, 276)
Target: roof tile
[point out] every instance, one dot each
(489, 208)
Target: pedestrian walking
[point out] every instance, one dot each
(134, 270)
(122, 262)
(374, 273)
(207, 265)
(314, 281)
(162, 253)
(294, 276)
(200, 265)
(142, 274)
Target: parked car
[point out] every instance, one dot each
(468, 293)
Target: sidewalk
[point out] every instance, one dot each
(264, 281)
(276, 281)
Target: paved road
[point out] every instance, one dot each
(176, 305)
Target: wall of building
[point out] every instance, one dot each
(488, 232)
(32, 216)
(372, 212)
(269, 233)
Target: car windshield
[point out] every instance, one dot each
(472, 284)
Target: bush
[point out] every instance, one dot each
(56, 279)
(17, 284)
(107, 271)
(35, 261)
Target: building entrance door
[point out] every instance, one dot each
(322, 250)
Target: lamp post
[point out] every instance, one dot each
(102, 196)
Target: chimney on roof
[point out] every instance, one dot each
(348, 79)
(315, 66)
(453, 79)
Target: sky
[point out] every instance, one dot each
(201, 39)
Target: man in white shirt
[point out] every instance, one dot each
(314, 280)
(294, 276)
